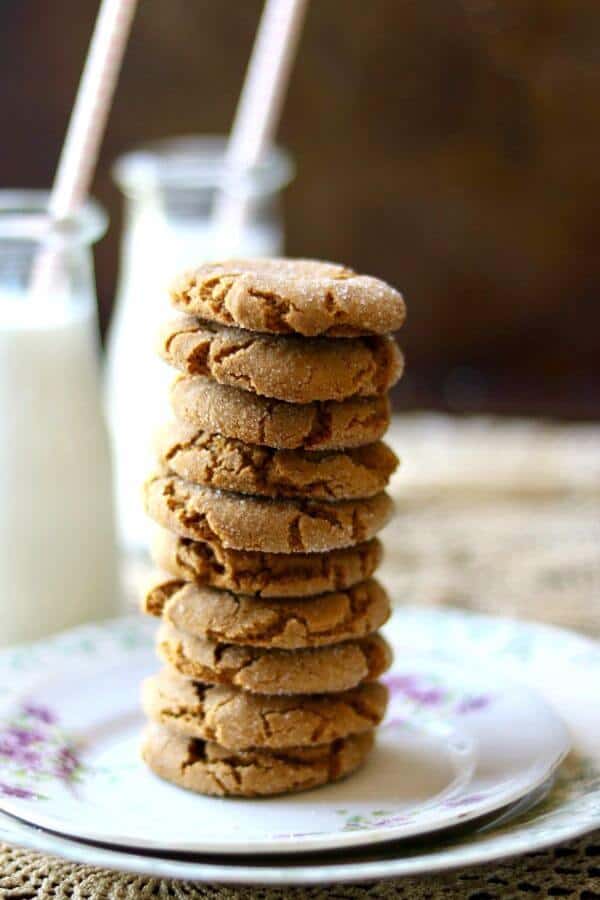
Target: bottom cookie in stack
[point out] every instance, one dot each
(263, 696)
(208, 768)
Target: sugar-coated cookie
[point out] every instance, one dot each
(255, 523)
(229, 618)
(264, 575)
(240, 720)
(231, 465)
(325, 425)
(294, 369)
(317, 670)
(283, 296)
(208, 768)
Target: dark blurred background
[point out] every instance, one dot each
(449, 146)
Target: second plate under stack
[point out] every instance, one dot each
(270, 491)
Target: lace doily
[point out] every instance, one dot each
(572, 870)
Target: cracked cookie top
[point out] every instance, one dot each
(226, 617)
(240, 720)
(323, 425)
(294, 369)
(286, 296)
(266, 575)
(316, 670)
(255, 523)
(208, 768)
(231, 465)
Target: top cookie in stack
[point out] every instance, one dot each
(290, 296)
(272, 485)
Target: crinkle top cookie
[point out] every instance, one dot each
(295, 369)
(286, 296)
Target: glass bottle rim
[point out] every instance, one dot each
(198, 161)
(24, 216)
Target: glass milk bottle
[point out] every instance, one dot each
(57, 547)
(170, 188)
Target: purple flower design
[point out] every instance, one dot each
(66, 763)
(8, 790)
(472, 704)
(33, 747)
(414, 688)
(464, 801)
(42, 713)
(396, 721)
(26, 759)
(426, 693)
(23, 737)
(16, 744)
(390, 820)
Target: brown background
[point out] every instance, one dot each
(450, 146)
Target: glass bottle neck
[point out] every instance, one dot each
(29, 244)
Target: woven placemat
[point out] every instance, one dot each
(493, 516)
(572, 870)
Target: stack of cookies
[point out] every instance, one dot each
(269, 492)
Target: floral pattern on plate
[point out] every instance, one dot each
(437, 761)
(564, 666)
(34, 750)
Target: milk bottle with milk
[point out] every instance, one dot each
(57, 548)
(170, 189)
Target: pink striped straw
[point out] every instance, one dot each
(259, 108)
(90, 112)
(87, 124)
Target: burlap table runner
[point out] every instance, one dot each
(495, 516)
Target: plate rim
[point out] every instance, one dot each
(328, 841)
(441, 860)
(339, 840)
(444, 858)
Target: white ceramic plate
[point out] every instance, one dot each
(559, 664)
(459, 741)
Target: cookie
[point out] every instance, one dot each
(230, 465)
(240, 720)
(325, 425)
(294, 369)
(256, 523)
(317, 670)
(226, 617)
(208, 768)
(264, 574)
(283, 296)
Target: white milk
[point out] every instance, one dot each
(137, 382)
(57, 557)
